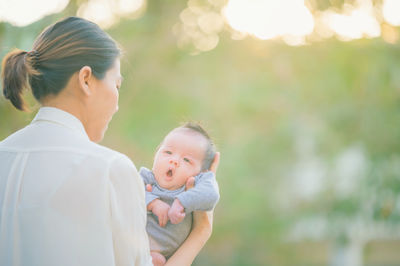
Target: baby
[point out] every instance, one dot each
(187, 151)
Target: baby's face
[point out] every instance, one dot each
(178, 158)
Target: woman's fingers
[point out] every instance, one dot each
(213, 168)
(190, 183)
(214, 165)
(149, 188)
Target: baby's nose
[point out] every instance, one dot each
(174, 162)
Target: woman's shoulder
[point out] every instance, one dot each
(116, 162)
(30, 139)
(108, 153)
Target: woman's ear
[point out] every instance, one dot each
(84, 79)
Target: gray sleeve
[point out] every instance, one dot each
(203, 197)
(148, 178)
(149, 197)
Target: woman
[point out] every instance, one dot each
(66, 200)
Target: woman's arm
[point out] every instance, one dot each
(201, 232)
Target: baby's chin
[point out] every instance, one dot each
(170, 185)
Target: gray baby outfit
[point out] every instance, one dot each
(203, 197)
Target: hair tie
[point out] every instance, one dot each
(34, 55)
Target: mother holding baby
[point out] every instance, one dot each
(64, 199)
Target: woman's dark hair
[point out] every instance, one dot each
(59, 51)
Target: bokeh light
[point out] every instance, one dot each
(199, 26)
(391, 11)
(268, 19)
(354, 23)
(295, 22)
(104, 12)
(107, 12)
(24, 12)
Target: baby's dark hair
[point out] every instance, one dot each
(210, 149)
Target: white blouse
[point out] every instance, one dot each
(68, 201)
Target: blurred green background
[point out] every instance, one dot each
(309, 135)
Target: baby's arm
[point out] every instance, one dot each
(148, 179)
(176, 213)
(203, 197)
(153, 203)
(160, 209)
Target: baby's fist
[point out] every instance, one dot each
(177, 212)
(160, 209)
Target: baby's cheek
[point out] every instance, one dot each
(183, 180)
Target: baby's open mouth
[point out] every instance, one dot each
(169, 173)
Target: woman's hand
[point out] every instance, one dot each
(214, 165)
(213, 168)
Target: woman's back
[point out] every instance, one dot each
(59, 194)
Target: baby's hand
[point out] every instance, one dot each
(160, 209)
(176, 213)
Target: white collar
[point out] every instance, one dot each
(58, 116)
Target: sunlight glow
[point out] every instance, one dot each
(199, 27)
(24, 12)
(210, 22)
(124, 7)
(355, 23)
(268, 19)
(390, 34)
(391, 12)
(107, 12)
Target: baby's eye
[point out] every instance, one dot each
(168, 152)
(186, 160)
